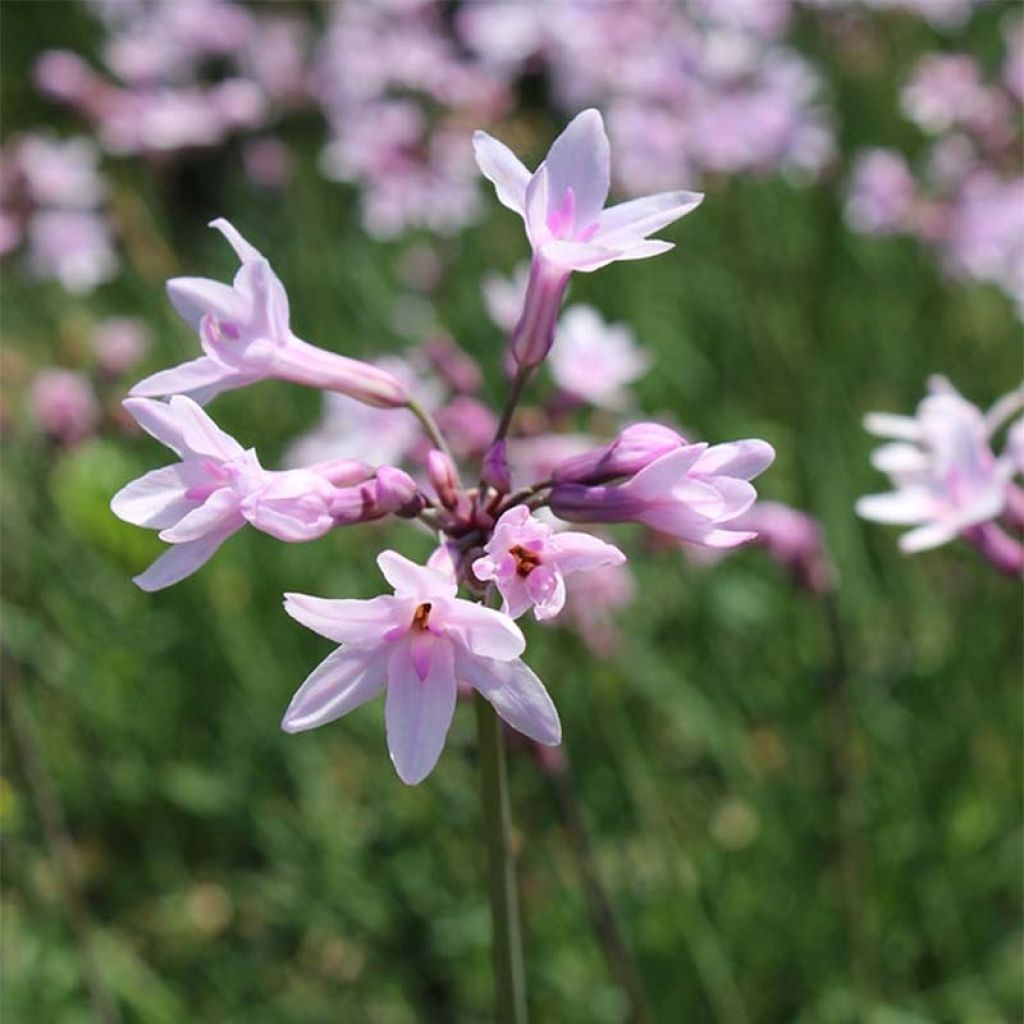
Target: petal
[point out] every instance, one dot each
(156, 500)
(633, 221)
(741, 459)
(514, 691)
(339, 684)
(202, 374)
(658, 478)
(723, 538)
(193, 297)
(644, 250)
(217, 513)
(484, 631)
(419, 713)
(932, 535)
(737, 496)
(580, 159)
(499, 165)
(200, 434)
(180, 561)
(412, 580)
(157, 420)
(575, 551)
(904, 508)
(536, 215)
(546, 587)
(884, 424)
(580, 256)
(350, 621)
(245, 252)
(899, 457)
(269, 299)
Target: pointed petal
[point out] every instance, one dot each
(644, 250)
(514, 691)
(923, 538)
(412, 580)
(245, 252)
(350, 621)
(741, 459)
(180, 561)
(737, 496)
(665, 471)
(885, 424)
(503, 169)
(217, 513)
(484, 631)
(546, 587)
(343, 681)
(156, 500)
(582, 256)
(580, 159)
(635, 220)
(899, 457)
(578, 552)
(724, 538)
(200, 434)
(418, 712)
(157, 420)
(903, 508)
(536, 215)
(193, 297)
(187, 378)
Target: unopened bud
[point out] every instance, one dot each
(444, 477)
(495, 472)
(636, 446)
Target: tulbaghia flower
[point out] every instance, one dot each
(945, 476)
(562, 206)
(594, 361)
(219, 486)
(419, 645)
(73, 246)
(63, 404)
(528, 562)
(694, 493)
(636, 447)
(119, 343)
(245, 332)
(881, 193)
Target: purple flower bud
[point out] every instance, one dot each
(636, 447)
(444, 477)
(397, 492)
(495, 471)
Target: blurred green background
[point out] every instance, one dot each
(784, 840)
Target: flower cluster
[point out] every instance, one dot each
(966, 198)
(503, 537)
(947, 481)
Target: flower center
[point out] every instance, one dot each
(526, 561)
(421, 616)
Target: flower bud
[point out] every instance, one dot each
(444, 477)
(397, 492)
(495, 471)
(636, 446)
(294, 506)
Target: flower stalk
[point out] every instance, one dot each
(507, 945)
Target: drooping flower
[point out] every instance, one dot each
(562, 205)
(218, 487)
(246, 336)
(693, 493)
(528, 562)
(419, 645)
(594, 361)
(945, 476)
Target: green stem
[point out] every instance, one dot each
(431, 427)
(509, 982)
(523, 374)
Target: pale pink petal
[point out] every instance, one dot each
(203, 375)
(419, 712)
(503, 169)
(932, 535)
(258, 282)
(737, 497)
(726, 538)
(515, 692)
(350, 621)
(482, 630)
(546, 587)
(884, 424)
(246, 253)
(580, 159)
(536, 215)
(900, 457)
(412, 580)
(157, 499)
(180, 561)
(578, 552)
(157, 420)
(200, 434)
(907, 507)
(742, 459)
(644, 250)
(664, 471)
(633, 221)
(194, 297)
(217, 513)
(580, 256)
(343, 681)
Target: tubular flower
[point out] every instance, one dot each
(692, 493)
(219, 486)
(562, 206)
(946, 479)
(419, 645)
(245, 334)
(528, 562)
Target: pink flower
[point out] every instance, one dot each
(63, 404)
(945, 476)
(218, 487)
(594, 361)
(419, 645)
(244, 330)
(693, 493)
(119, 343)
(562, 205)
(881, 193)
(528, 562)
(73, 246)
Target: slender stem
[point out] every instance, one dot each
(509, 980)
(431, 427)
(515, 393)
